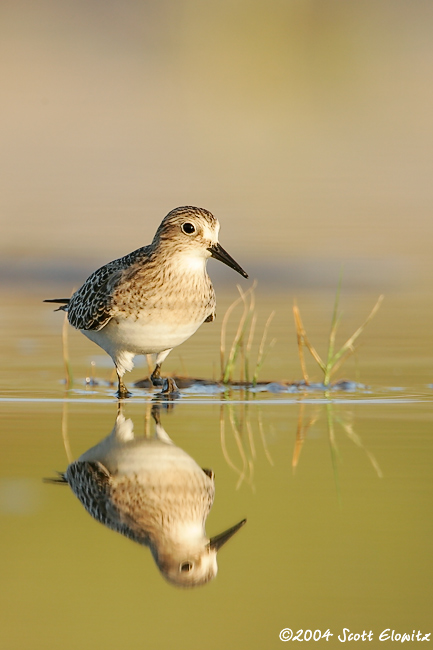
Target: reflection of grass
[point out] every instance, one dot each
(331, 420)
(243, 435)
(334, 360)
(243, 340)
(301, 432)
(241, 447)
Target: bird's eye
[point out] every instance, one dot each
(185, 567)
(188, 228)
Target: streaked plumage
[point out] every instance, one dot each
(155, 298)
(154, 493)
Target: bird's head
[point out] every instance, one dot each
(192, 565)
(191, 234)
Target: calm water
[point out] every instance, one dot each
(336, 489)
(305, 126)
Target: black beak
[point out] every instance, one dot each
(216, 542)
(220, 254)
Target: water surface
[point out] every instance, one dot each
(336, 489)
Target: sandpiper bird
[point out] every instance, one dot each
(155, 298)
(154, 493)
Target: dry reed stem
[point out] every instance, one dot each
(238, 345)
(249, 345)
(302, 337)
(69, 379)
(242, 298)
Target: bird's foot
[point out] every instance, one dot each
(169, 389)
(122, 391)
(123, 395)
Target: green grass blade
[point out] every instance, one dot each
(228, 367)
(333, 332)
(348, 346)
(260, 357)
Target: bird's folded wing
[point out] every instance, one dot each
(90, 308)
(90, 482)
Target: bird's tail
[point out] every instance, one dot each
(64, 302)
(60, 479)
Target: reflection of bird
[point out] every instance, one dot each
(155, 298)
(155, 494)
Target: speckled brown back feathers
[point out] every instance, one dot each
(90, 308)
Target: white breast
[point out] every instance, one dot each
(123, 338)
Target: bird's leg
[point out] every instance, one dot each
(155, 413)
(122, 391)
(155, 377)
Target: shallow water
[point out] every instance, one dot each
(336, 488)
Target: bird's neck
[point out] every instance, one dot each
(190, 263)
